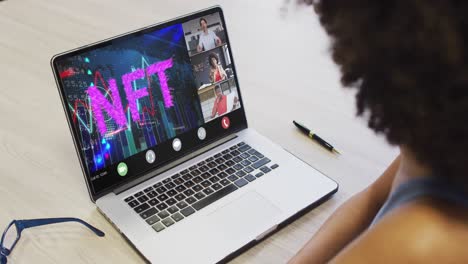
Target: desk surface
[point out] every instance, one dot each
(285, 73)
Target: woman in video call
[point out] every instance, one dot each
(217, 72)
(408, 61)
(207, 39)
(220, 104)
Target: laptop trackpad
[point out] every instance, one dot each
(244, 215)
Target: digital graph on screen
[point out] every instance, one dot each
(130, 96)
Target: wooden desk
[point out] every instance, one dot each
(285, 73)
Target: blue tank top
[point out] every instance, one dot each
(422, 187)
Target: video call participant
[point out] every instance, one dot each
(220, 104)
(217, 72)
(207, 39)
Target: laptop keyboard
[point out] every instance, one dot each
(179, 196)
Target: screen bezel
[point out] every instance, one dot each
(235, 127)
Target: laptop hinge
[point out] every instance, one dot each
(173, 164)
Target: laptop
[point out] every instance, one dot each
(161, 133)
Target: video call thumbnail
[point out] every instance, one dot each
(212, 66)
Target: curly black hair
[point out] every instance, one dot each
(210, 59)
(408, 60)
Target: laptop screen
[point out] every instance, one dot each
(144, 99)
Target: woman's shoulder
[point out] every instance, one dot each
(426, 230)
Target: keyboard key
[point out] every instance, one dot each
(206, 175)
(187, 177)
(222, 175)
(237, 159)
(167, 180)
(209, 159)
(233, 178)
(143, 199)
(212, 165)
(214, 179)
(265, 169)
(161, 206)
(248, 169)
(216, 186)
(153, 202)
(240, 183)
(175, 176)
(197, 179)
(241, 144)
(206, 183)
(201, 163)
(230, 171)
(170, 185)
(241, 173)
(195, 173)
(227, 157)
(180, 188)
(180, 197)
(163, 214)
(260, 174)
(189, 184)
(152, 220)
(224, 182)
(193, 167)
(159, 184)
(178, 181)
(244, 155)
(177, 217)
(200, 196)
(235, 153)
(225, 151)
(168, 222)
(162, 197)
(188, 192)
(208, 191)
(197, 188)
(238, 167)
(259, 155)
(260, 163)
(214, 171)
(141, 208)
(187, 211)
(182, 204)
(251, 151)
(222, 167)
(250, 177)
(246, 163)
(171, 193)
(128, 199)
(220, 161)
(230, 163)
(172, 209)
(133, 203)
(214, 197)
(171, 201)
(161, 190)
(233, 147)
(190, 200)
(158, 227)
(253, 159)
(274, 166)
(204, 168)
(149, 189)
(244, 148)
(217, 155)
(138, 194)
(184, 172)
(148, 213)
(152, 194)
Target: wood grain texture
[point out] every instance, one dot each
(285, 73)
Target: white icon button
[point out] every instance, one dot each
(177, 144)
(150, 156)
(201, 133)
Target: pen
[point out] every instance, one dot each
(316, 138)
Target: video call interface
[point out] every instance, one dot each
(144, 90)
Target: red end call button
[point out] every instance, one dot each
(225, 122)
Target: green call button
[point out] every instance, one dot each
(122, 169)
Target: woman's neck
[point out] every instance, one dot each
(410, 168)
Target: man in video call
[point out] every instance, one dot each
(220, 104)
(208, 39)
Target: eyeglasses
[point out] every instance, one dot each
(13, 232)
